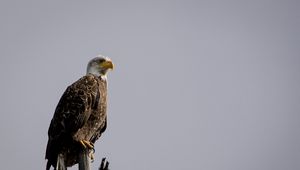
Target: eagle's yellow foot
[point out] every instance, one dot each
(87, 144)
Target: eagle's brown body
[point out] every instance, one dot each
(79, 115)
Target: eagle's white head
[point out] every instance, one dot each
(99, 66)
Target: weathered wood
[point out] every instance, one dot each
(84, 160)
(104, 164)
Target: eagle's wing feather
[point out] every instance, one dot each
(72, 112)
(99, 131)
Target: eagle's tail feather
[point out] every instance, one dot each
(60, 164)
(48, 165)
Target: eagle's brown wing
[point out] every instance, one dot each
(72, 112)
(99, 131)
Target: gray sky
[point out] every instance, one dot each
(208, 85)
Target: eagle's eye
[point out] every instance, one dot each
(101, 60)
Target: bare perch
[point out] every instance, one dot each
(104, 164)
(84, 160)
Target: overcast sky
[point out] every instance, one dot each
(197, 85)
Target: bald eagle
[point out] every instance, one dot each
(80, 116)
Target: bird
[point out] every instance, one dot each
(80, 116)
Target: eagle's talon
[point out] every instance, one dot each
(87, 144)
(91, 155)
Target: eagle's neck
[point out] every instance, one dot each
(96, 72)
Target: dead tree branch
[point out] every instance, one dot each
(84, 160)
(104, 164)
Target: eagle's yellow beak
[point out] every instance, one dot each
(107, 65)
